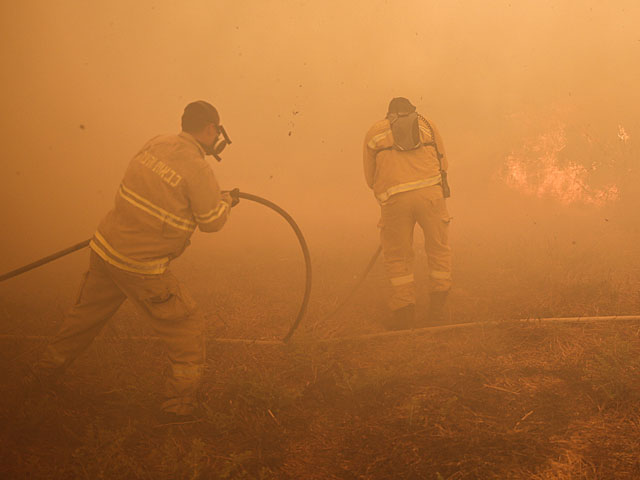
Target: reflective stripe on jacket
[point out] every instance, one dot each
(168, 190)
(389, 171)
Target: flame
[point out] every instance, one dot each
(622, 134)
(537, 170)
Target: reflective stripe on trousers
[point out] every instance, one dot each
(399, 214)
(403, 280)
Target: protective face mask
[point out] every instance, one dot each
(219, 145)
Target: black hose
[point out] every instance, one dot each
(246, 196)
(305, 252)
(361, 279)
(42, 261)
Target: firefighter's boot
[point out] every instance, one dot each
(436, 315)
(403, 318)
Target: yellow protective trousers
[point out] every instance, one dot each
(171, 310)
(399, 214)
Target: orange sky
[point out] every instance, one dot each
(297, 83)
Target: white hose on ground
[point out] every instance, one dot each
(395, 333)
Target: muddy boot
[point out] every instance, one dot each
(403, 318)
(436, 315)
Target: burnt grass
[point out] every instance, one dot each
(502, 400)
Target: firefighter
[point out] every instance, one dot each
(167, 192)
(405, 165)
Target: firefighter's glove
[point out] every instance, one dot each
(235, 197)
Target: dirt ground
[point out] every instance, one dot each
(506, 399)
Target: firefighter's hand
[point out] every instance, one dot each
(235, 197)
(226, 198)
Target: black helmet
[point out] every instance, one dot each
(400, 105)
(198, 115)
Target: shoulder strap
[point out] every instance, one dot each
(433, 143)
(446, 191)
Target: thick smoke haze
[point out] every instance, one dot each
(298, 83)
(537, 103)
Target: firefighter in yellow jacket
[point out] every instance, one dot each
(167, 192)
(405, 165)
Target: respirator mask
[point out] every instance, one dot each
(220, 143)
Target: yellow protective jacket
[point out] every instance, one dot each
(389, 171)
(167, 190)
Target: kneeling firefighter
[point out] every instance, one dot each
(168, 190)
(406, 167)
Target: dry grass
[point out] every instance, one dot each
(506, 401)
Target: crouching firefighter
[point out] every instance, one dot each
(406, 167)
(168, 190)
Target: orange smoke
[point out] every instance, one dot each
(538, 169)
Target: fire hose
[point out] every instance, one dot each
(247, 196)
(356, 285)
(307, 292)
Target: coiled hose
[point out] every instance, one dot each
(247, 196)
